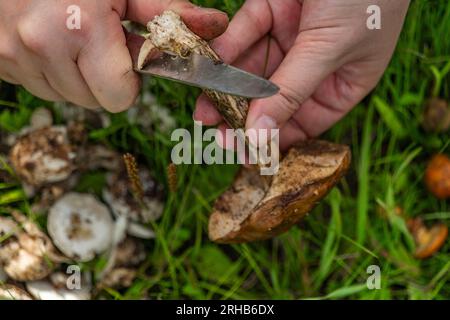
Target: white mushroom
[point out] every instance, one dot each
(22, 265)
(10, 292)
(43, 156)
(122, 202)
(56, 288)
(80, 226)
(130, 253)
(27, 254)
(41, 118)
(94, 157)
(148, 114)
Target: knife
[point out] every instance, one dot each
(202, 72)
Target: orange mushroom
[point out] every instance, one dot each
(428, 240)
(437, 176)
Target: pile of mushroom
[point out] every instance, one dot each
(48, 160)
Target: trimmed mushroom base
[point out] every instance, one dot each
(168, 33)
(253, 209)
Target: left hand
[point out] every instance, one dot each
(322, 55)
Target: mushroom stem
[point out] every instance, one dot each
(168, 33)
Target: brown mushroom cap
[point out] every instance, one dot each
(255, 209)
(428, 240)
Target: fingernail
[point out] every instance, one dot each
(264, 122)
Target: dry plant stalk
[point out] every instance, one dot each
(172, 177)
(168, 33)
(133, 177)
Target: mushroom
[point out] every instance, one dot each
(94, 157)
(148, 115)
(11, 292)
(253, 209)
(436, 117)
(3, 275)
(26, 254)
(428, 240)
(118, 278)
(437, 176)
(41, 118)
(80, 226)
(130, 253)
(125, 254)
(123, 202)
(55, 288)
(43, 156)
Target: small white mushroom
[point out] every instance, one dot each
(80, 226)
(43, 156)
(41, 118)
(140, 231)
(10, 292)
(56, 288)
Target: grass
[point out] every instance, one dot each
(327, 255)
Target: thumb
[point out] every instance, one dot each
(299, 75)
(208, 23)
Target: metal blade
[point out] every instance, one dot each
(202, 72)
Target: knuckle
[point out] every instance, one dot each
(291, 99)
(86, 26)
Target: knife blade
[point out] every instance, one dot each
(202, 72)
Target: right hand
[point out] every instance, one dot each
(91, 67)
